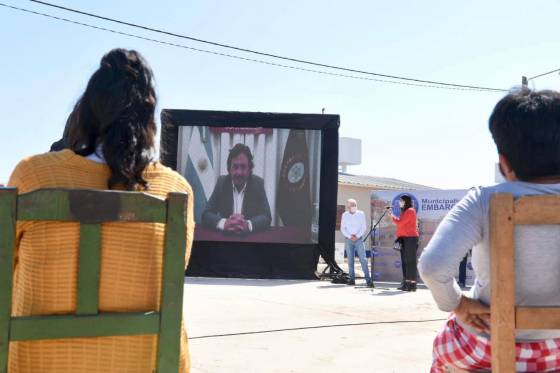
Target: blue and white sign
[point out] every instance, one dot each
(395, 206)
(431, 207)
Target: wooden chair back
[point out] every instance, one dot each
(92, 208)
(505, 213)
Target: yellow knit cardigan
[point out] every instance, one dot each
(45, 273)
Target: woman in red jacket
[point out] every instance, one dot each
(407, 233)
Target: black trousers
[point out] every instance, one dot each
(408, 252)
(402, 264)
(463, 270)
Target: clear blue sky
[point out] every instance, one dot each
(429, 136)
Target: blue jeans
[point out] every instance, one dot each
(351, 249)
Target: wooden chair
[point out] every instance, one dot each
(505, 213)
(91, 208)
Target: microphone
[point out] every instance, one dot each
(387, 207)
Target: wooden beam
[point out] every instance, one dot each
(89, 267)
(502, 259)
(72, 326)
(8, 198)
(90, 206)
(169, 343)
(537, 317)
(537, 210)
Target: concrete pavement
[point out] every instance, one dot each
(279, 326)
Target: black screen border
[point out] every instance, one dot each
(254, 259)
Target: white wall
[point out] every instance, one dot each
(349, 151)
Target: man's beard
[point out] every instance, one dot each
(239, 183)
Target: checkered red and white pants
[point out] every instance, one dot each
(455, 346)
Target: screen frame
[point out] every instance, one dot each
(254, 259)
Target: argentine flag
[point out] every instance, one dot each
(200, 169)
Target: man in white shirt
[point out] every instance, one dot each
(353, 227)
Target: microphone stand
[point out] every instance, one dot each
(372, 230)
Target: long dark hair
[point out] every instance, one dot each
(117, 111)
(407, 202)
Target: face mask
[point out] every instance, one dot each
(353, 209)
(401, 204)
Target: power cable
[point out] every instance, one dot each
(315, 327)
(538, 76)
(264, 53)
(242, 58)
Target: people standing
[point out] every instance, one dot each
(407, 233)
(353, 227)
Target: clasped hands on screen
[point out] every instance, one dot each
(236, 223)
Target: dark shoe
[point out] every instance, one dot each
(402, 287)
(351, 282)
(370, 285)
(411, 286)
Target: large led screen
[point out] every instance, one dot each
(252, 184)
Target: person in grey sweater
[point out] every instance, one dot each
(525, 126)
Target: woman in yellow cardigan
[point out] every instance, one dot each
(111, 147)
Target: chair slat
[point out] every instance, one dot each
(172, 286)
(535, 210)
(90, 206)
(88, 274)
(8, 197)
(72, 326)
(537, 318)
(502, 283)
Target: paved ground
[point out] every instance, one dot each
(280, 326)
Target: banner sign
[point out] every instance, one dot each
(431, 207)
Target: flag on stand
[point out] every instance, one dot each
(294, 191)
(199, 170)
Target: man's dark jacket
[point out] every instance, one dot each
(255, 204)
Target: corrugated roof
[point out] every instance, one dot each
(375, 182)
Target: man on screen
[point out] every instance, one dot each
(238, 204)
